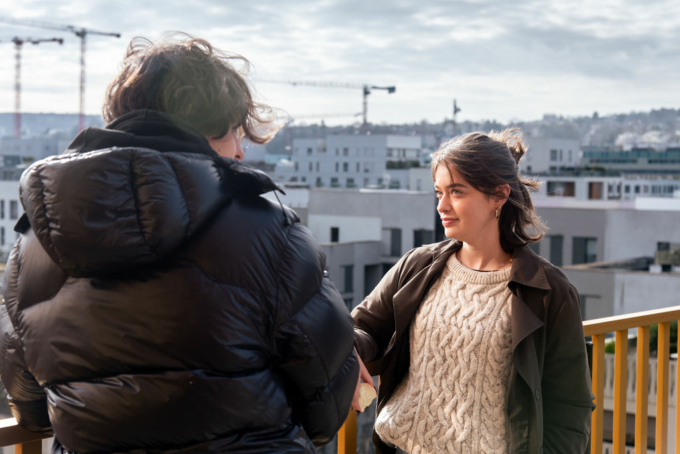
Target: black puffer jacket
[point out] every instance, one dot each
(155, 302)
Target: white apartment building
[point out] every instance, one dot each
(352, 161)
(10, 212)
(605, 230)
(32, 149)
(548, 155)
(626, 187)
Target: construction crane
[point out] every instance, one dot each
(365, 88)
(456, 109)
(18, 44)
(81, 33)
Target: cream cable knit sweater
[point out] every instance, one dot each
(453, 398)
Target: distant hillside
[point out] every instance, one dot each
(39, 124)
(656, 128)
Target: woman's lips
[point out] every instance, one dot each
(448, 222)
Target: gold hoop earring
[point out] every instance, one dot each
(497, 212)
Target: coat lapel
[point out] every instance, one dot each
(408, 298)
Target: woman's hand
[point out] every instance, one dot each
(363, 375)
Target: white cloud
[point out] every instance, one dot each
(500, 60)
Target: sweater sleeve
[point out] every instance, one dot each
(567, 395)
(313, 339)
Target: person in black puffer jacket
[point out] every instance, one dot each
(154, 302)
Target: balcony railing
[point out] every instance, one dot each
(623, 390)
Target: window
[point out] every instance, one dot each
(296, 166)
(553, 155)
(584, 250)
(627, 189)
(569, 155)
(319, 182)
(337, 152)
(561, 188)
(663, 246)
(365, 182)
(348, 303)
(345, 167)
(311, 167)
(317, 166)
(303, 179)
(2, 209)
(309, 151)
(595, 191)
(334, 182)
(637, 189)
(421, 237)
(345, 151)
(561, 156)
(350, 183)
(349, 278)
(2, 236)
(337, 167)
(13, 209)
(335, 234)
(358, 167)
(556, 243)
(395, 242)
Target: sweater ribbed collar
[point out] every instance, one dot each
(470, 276)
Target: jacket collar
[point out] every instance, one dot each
(526, 269)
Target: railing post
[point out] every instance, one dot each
(598, 390)
(663, 353)
(677, 401)
(642, 390)
(29, 447)
(620, 388)
(347, 436)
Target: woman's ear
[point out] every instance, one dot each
(503, 190)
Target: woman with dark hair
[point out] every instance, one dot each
(477, 340)
(154, 302)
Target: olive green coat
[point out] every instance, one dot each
(549, 401)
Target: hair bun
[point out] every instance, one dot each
(513, 139)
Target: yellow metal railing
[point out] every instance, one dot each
(26, 442)
(620, 325)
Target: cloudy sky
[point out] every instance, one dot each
(501, 60)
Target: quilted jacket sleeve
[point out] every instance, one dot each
(314, 339)
(26, 398)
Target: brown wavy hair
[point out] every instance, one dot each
(488, 161)
(192, 81)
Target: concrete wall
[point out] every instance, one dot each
(623, 230)
(351, 228)
(358, 254)
(405, 210)
(615, 292)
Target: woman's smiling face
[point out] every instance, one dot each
(467, 214)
